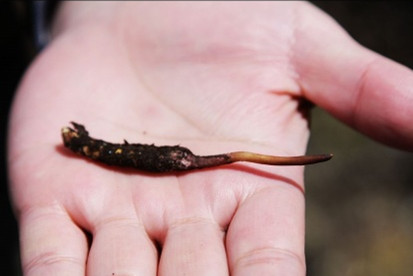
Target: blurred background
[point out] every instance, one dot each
(359, 205)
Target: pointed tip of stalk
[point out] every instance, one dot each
(313, 159)
(279, 160)
(327, 156)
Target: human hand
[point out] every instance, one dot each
(213, 77)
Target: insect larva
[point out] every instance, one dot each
(153, 158)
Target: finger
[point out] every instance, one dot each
(121, 247)
(266, 236)
(365, 90)
(51, 244)
(194, 246)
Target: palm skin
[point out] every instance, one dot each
(213, 77)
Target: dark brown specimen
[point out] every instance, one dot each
(153, 158)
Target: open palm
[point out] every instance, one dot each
(213, 77)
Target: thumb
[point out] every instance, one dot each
(363, 89)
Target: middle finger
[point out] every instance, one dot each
(194, 246)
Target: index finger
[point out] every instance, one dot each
(266, 235)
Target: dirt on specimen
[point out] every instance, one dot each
(159, 159)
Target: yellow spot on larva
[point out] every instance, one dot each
(65, 130)
(95, 154)
(86, 150)
(118, 151)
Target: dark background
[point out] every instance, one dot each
(359, 205)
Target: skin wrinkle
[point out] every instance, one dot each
(60, 211)
(267, 255)
(185, 117)
(210, 217)
(48, 259)
(359, 94)
(183, 222)
(118, 222)
(51, 257)
(144, 84)
(52, 208)
(391, 121)
(164, 103)
(206, 196)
